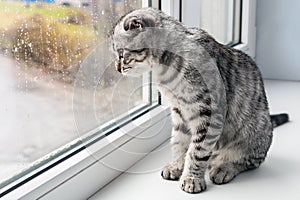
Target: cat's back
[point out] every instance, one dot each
(236, 67)
(219, 51)
(241, 76)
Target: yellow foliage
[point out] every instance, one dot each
(41, 41)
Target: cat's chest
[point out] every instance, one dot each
(175, 93)
(179, 95)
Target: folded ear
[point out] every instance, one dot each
(139, 23)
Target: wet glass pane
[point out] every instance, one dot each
(43, 47)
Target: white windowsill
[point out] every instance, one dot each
(276, 179)
(83, 169)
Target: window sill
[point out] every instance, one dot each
(281, 166)
(99, 163)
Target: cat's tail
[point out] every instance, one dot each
(279, 119)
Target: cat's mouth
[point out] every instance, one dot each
(121, 68)
(126, 69)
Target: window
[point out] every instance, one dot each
(220, 18)
(58, 94)
(77, 165)
(225, 26)
(231, 22)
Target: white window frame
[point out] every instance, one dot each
(81, 175)
(248, 33)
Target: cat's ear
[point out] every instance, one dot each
(138, 23)
(133, 23)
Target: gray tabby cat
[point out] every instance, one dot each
(191, 69)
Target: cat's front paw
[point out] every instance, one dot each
(192, 184)
(171, 172)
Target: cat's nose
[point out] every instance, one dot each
(120, 53)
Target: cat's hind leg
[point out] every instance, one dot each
(242, 152)
(226, 164)
(225, 172)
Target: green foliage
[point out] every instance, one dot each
(41, 41)
(49, 37)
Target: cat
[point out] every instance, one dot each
(225, 133)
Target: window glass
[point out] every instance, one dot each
(44, 48)
(221, 18)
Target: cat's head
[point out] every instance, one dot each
(130, 40)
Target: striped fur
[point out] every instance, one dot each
(226, 138)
